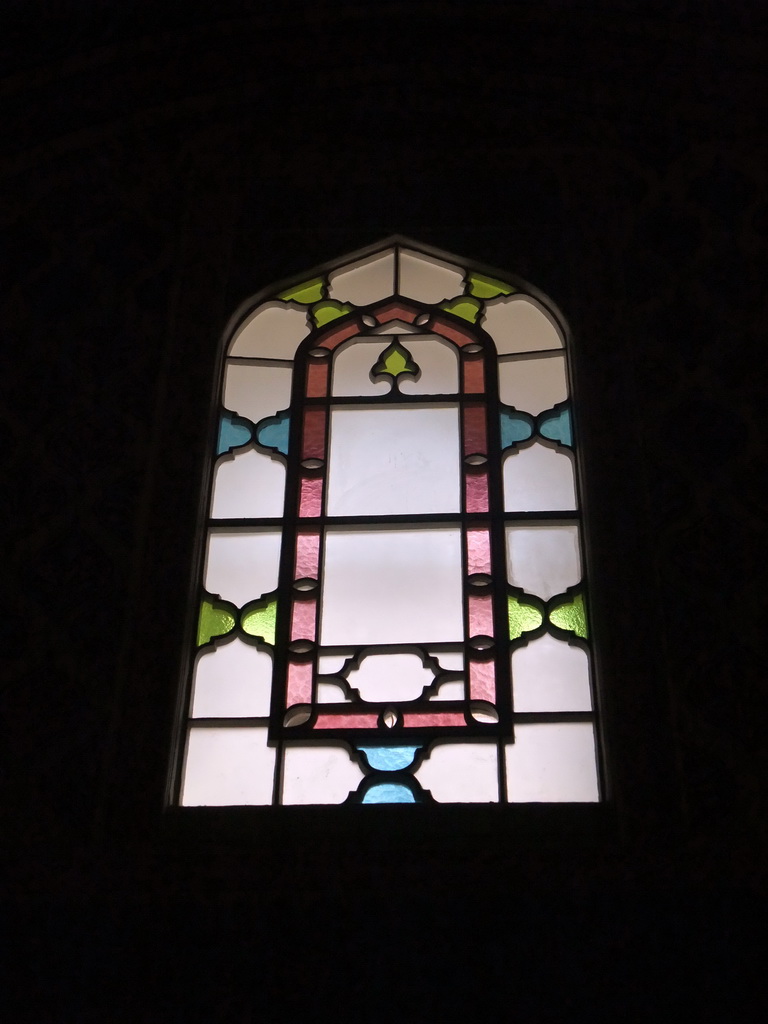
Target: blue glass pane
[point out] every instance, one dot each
(515, 426)
(389, 759)
(272, 432)
(234, 432)
(389, 793)
(556, 425)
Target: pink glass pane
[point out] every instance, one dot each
(482, 680)
(474, 430)
(314, 434)
(317, 380)
(414, 720)
(336, 336)
(299, 688)
(308, 556)
(478, 550)
(396, 311)
(480, 615)
(476, 490)
(451, 333)
(347, 722)
(473, 370)
(311, 497)
(303, 617)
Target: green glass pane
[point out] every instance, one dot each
(324, 312)
(488, 287)
(217, 618)
(523, 616)
(570, 614)
(395, 360)
(306, 293)
(465, 306)
(258, 618)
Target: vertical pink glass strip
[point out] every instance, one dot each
(478, 550)
(414, 720)
(347, 722)
(475, 441)
(476, 490)
(303, 618)
(317, 379)
(311, 496)
(482, 680)
(473, 370)
(314, 434)
(480, 615)
(308, 555)
(299, 688)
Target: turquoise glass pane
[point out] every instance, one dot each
(234, 432)
(273, 431)
(389, 759)
(389, 793)
(515, 426)
(556, 425)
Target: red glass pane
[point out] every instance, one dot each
(317, 380)
(314, 434)
(336, 336)
(396, 311)
(303, 618)
(308, 556)
(414, 720)
(482, 680)
(480, 615)
(473, 371)
(347, 722)
(299, 688)
(478, 550)
(448, 331)
(476, 490)
(474, 430)
(311, 497)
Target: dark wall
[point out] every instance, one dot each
(162, 165)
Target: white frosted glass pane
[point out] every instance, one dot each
(543, 560)
(256, 391)
(273, 331)
(250, 484)
(428, 279)
(392, 586)
(533, 385)
(365, 281)
(242, 566)
(228, 766)
(551, 675)
(451, 690)
(449, 661)
(552, 761)
(331, 664)
(352, 369)
(386, 461)
(439, 365)
(518, 324)
(330, 693)
(461, 773)
(232, 681)
(538, 479)
(390, 677)
(318, 775)
(395, 327)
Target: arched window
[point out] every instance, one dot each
(391, 597)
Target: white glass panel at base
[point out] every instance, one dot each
(318, 775)
(228, 766)
(551, 675)
(538, 479)
(364, 281)
(248, 485)
(428, 279)
(390, 677)
(273, 331)
(552, 762)
(256, 391)
(543, 560)
(241, 566)
(519, 324)
(392, 586)
(394, 460)
(439, 365)
(352, 367)
(533, 385)
(234, 680)
(461, 773)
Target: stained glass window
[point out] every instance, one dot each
(392, 604)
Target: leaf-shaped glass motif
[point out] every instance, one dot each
(324, 312)
(217, 618)
(273, 432)
(464, 306)
(395, 360)
(556, 425)
(259, 618)
(487, 287)
(305, 293)
(523, 616)
(234, 432)
(569, 613)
